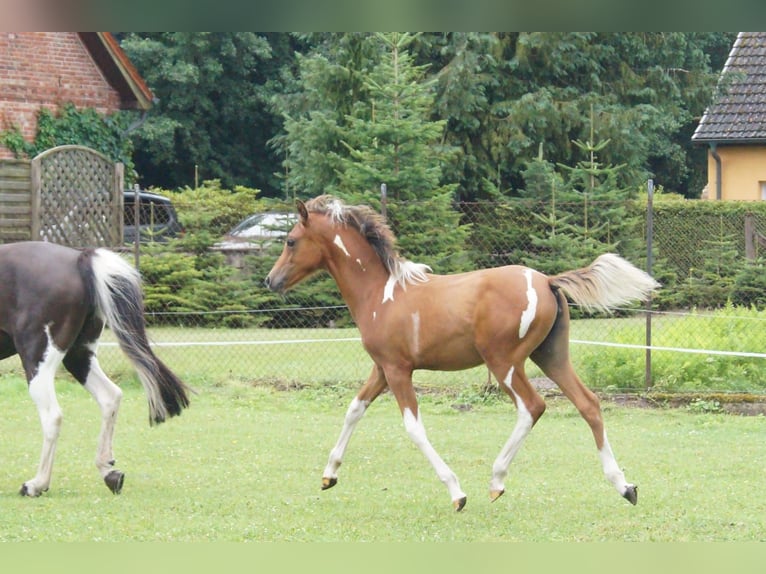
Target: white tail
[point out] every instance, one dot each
(608, 282)
(119, 299)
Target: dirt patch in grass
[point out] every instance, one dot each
(746, 404)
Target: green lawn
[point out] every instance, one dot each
(244, 463)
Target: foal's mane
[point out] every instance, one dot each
(373, 228)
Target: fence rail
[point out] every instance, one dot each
(707, 322)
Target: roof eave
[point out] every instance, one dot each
(140, 96)
(729, 141)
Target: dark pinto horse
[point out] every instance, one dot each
(411, 319)
(54, 302)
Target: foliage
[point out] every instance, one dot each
(384, 136)
(700, 246)
(212, 209)
(211, 116)
(187, 278)
(72, 126)
(268, 110)
(504, 93)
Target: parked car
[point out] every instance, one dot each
(158, 220)
(258, 231)
(255, 234)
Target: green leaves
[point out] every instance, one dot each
(70, 126)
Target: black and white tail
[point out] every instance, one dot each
(118, 296)
(606, 283)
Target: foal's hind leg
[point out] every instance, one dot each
(41, 377)
(376, 384)
(589, 406)
(81, 361)
(552, 356)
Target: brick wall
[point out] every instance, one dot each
(47, 69)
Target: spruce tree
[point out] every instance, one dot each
(392, 141)
(585, 211)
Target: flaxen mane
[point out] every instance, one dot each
(374, 229)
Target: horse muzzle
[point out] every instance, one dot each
(275, 283)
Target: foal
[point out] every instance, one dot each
(410, 319)
(54, 302)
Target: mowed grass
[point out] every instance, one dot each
(244, 463)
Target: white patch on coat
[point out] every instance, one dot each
(361, 265)
(508, 381)
(374, 315)
(529, 313)
(339, 242)
(388, 290)
(415, 332)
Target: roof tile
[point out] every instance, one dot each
(739, 113)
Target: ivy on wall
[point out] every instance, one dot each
(71, 126)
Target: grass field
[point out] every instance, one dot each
(244, 463)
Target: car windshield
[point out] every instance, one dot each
(264, 225)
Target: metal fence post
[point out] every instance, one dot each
(137, 225)
(649, 234)
(383, 198)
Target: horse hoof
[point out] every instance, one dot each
(459, 503)
(631, 494)
(329, 483)
(26, 491)
(114, 481)
(495, 494)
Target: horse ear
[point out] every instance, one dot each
(302, 211)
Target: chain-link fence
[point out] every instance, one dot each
(214, 322)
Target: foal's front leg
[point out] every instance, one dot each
(400, 383)
(375, 385)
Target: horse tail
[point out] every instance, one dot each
(606, 283)
(116, 289)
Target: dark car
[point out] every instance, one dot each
(158, 220)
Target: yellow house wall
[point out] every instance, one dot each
(743, 168)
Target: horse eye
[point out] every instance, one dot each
(290, 242)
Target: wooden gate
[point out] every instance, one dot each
(76, 197)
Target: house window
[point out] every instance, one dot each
(763, 190)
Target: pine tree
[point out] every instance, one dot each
(392, 141)
(586, 211)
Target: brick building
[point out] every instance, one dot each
(49, 69)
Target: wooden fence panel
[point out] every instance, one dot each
(16, 209)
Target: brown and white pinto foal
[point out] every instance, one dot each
(411, 319)
(54, 303)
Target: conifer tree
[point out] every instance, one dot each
(586, 213)
(392, 141)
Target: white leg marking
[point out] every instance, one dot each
(42, 389)
(417, 434)
(339, 242)
(354, 414)
(611, 468)
(512, 446)
(108, 396)
(529, 313)
(388, 290)
(415, 332)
